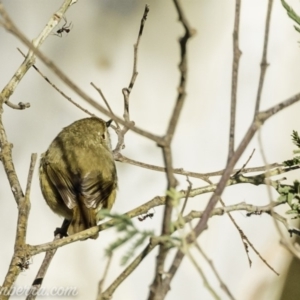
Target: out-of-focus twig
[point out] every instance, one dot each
(101, 282)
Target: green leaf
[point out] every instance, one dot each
(295, 137)
(174, 195)
(291, 13)
(290, 198)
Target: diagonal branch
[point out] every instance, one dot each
(257, 123)
(30, 57)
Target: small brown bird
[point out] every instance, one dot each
(78, 174)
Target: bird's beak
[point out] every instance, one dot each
(108, 122)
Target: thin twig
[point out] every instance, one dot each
(19, 106)
(187, 195)
(202, 275)
(58, 90)
(244, 238)
(203, 176)
(105, 101)
(107, 294)
(136, 47)
(270, 197)
(257, 253)
(126, 91)
(212, 266)
(101, 282)
(245, 164)
(234, 77)
(264, 63)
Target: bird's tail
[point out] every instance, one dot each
(83, 218)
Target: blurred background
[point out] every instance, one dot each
(99, 49)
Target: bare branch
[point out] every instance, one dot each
(101, 282)
(202, 275)
(58, 90)
(107, 294)
(264, 63)
(136, 47)
(211, 264)
(203, 176)
(38, 281)
(21, 254)
(234, 77)
(245, 164)
(104, 99)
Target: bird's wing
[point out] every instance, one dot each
(63, 184)
(95, 189)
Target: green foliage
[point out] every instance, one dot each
(291, 195)
(175, 196)
(130, 233)
(292, 14)
(296, 138)
(296, 159)
(292, 162)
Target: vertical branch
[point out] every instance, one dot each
(264, 63)
(136, 47)
(6, 158)
(156, 289)
(172, 182)
(234, 78)
(20, 258)
(24, 206)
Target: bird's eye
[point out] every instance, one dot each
(103, 136)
